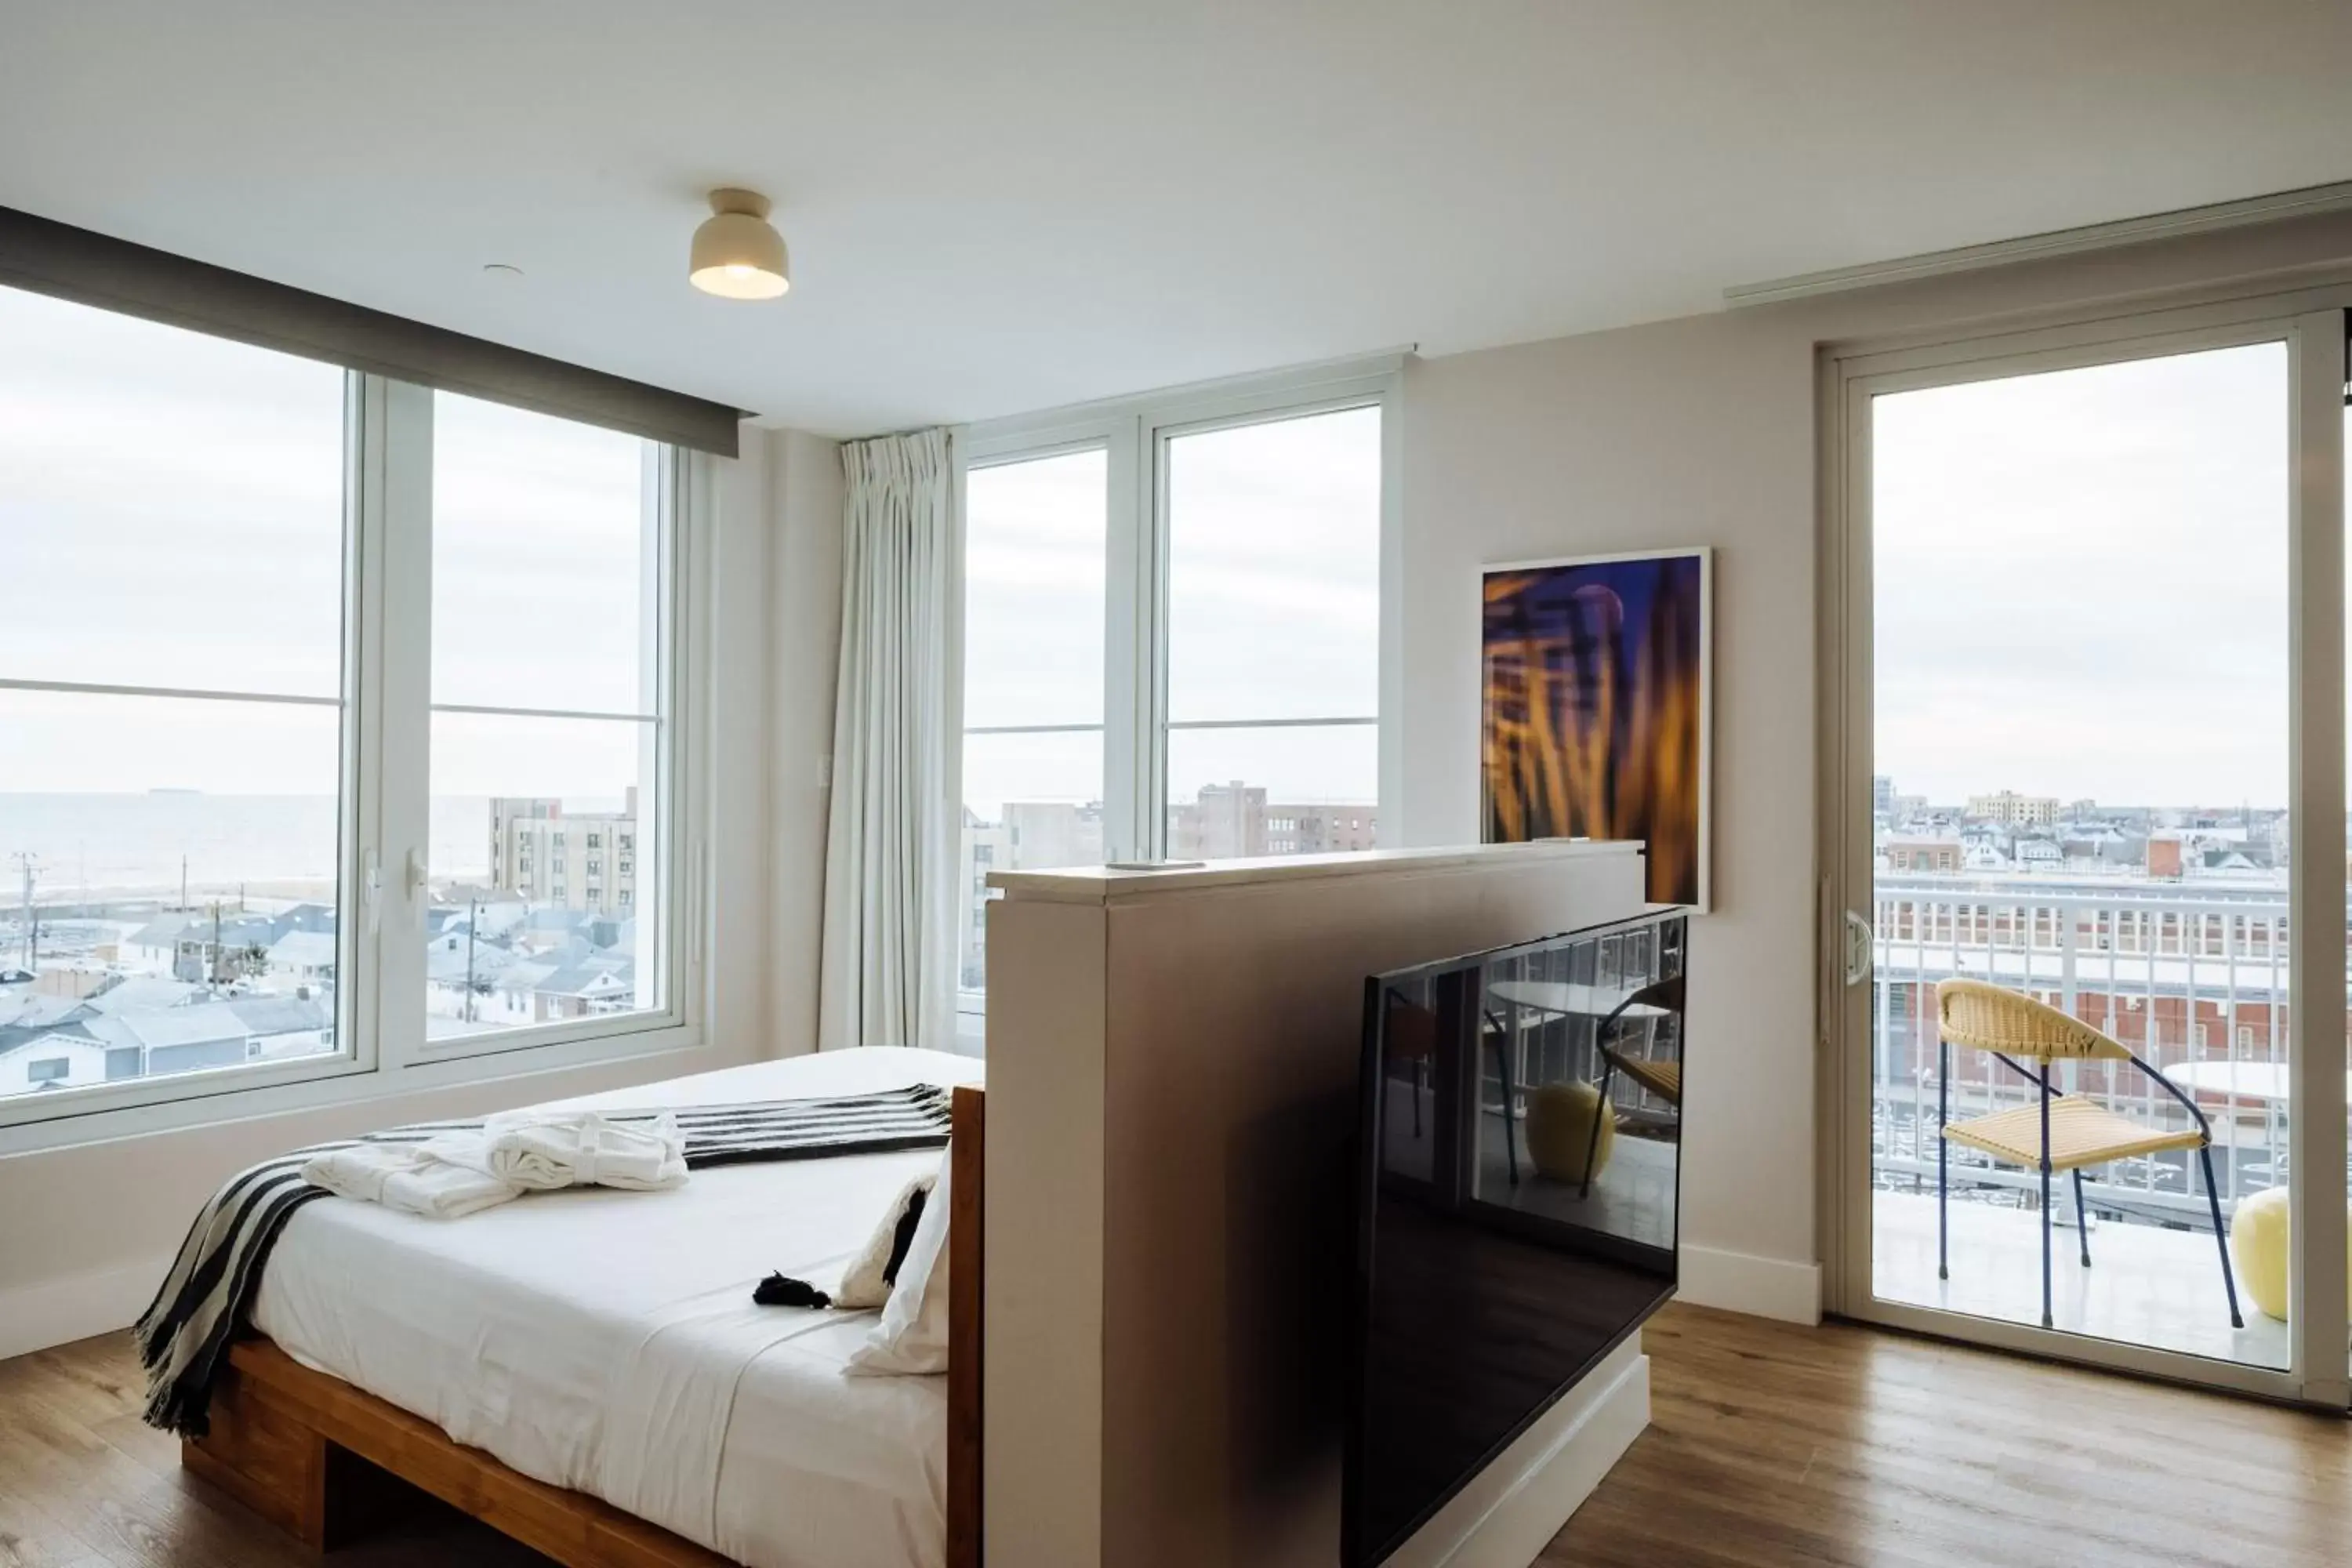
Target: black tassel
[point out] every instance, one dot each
(782, 1291)
(902, 1237)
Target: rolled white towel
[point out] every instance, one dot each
(403, 1176)
(543, 1150)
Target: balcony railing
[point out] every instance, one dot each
(2178, 974)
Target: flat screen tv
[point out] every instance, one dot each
(1516, 1198)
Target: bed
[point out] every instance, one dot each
(585, 1368)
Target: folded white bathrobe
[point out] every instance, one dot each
(460, 1173)
(541, 1151)
(399, 1176)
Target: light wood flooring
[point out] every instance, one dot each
(1771, 1447)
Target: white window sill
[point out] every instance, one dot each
(531, 1068)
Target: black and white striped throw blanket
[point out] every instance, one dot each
(184, 1336)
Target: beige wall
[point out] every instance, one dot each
(1173, 1065)
(85, 1231)
(1692, 432)
(1703, 431)
(804, 478)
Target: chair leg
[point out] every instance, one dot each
(1943, 1156)
(2046, 1319)
(2214, 1199)
(1510, 1130)
(1592, 1143)
(2082, 1218)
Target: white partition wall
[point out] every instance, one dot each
(1173, 1081)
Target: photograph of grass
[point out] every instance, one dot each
(1597, 692)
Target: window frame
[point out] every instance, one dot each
(975, 452)
(1242, 412)
(383, 811)
(1135, 433)
(2311, 323)
(100, 1109)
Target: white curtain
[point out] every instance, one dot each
(890, 871)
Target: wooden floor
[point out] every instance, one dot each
(84, 1483)
(1771, 1447)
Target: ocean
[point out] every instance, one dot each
(85, 846)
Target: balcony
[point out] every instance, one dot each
(2147, 1285)
(2183, 975)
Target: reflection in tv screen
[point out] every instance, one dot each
(1516, 1207)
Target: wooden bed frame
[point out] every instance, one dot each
(329, 1463)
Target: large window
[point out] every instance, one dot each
(1172, 636)
(172, 700)
(1034, 615)
(1273, 637)
(311, 682)
(546, 719)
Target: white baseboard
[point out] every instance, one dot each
(1510, 1511)
(1760, 1286)
(59, 1311)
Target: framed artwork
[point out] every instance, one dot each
(1599, 707)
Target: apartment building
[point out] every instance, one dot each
(577, 860)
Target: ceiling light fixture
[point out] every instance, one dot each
(738, 254)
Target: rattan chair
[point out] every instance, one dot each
(1663, 1079)
(2061, 1132)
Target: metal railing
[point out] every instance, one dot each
(2178, 974)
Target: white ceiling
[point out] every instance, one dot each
(995, 207)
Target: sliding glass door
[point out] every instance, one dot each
(2092, 848)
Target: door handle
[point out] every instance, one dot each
(1859, 939)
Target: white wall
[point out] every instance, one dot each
(806, 494)
(86, 1060)
(1694, 431)
(743, 697)
(1703, 431)
(85, 1231)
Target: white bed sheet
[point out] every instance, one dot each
(538, 1332)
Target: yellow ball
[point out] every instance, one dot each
(2258, 1243)
(1559, 1130)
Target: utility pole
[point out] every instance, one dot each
(25, 859)
(216, 944)
(473, 919)
(184, 884)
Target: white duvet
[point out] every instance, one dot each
(607, 1341)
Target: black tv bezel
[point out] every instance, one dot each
(1370, 1085)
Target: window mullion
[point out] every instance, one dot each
(2316, 1046)
(1390, 789)
(402, 726)
(1130, 660)
(677, 833)
(360, 806)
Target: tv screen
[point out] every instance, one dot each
(1521, 1113)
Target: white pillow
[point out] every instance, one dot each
(911, 1340)
(864, 1283)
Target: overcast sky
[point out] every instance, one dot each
(171, 515)
(1274, 612)
(2082, 583)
